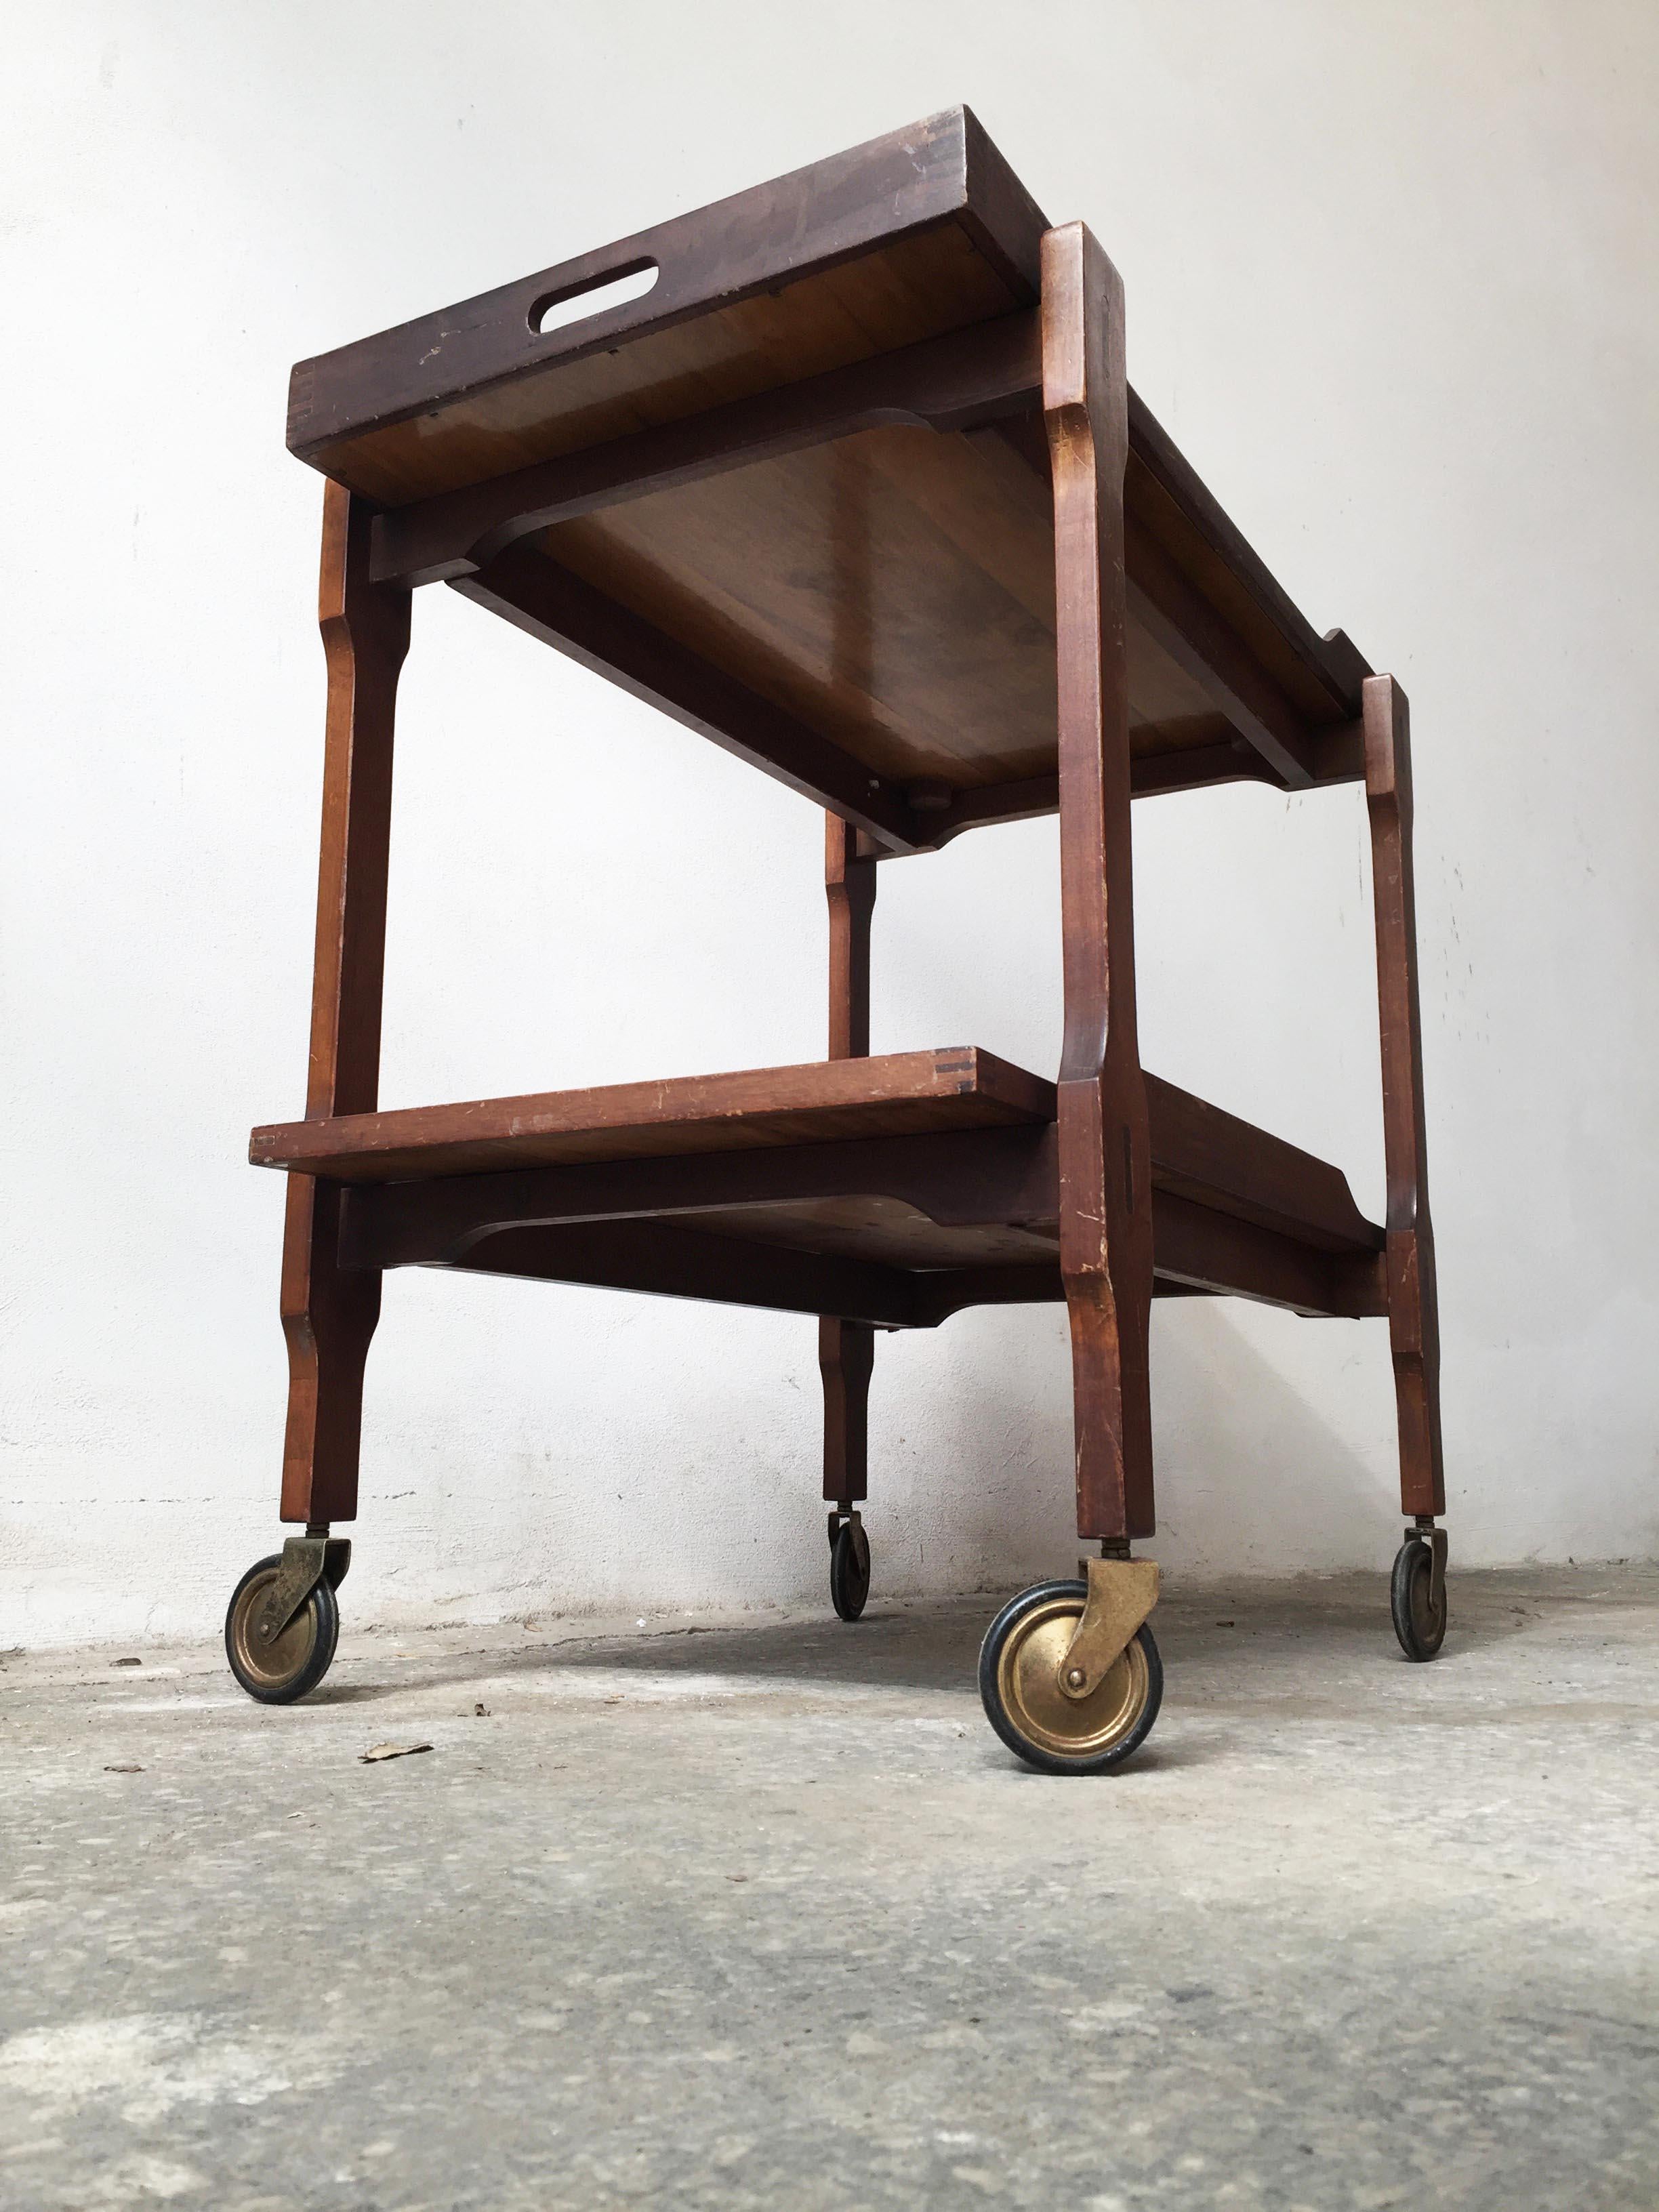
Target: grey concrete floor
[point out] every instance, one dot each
(759, 1913)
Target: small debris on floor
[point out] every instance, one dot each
(123, 1770)
(378, 1751)
(736, 1877)
(481, 1712)
(1226, 1624)
(126, 1662)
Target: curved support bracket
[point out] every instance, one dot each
(306, 1561)
(1121, 1594)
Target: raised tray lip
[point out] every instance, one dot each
(909, 181)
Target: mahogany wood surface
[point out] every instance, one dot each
(859, 491)
(961, 1178)
(967, 1178)
(328, 1314)
(674, 1260)
(684, 1259)
(782, 1135)
(973, 376)
(849, 889)
(1105, 1142)
(1414, 1308)
(846, 1348)
(799, 495)
(595, 631)
(958, 1087)
(924, 231)
(847, 1355)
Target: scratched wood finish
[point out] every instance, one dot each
(958, 1087)
(328, 1314)
(923, 231)
(1413, 1305)
(1105, 1143)
(924, 1200)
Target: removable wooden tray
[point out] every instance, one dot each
(798, 496)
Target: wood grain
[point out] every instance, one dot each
(859, 491)
(1105, 1146)
(1006, 1175)
(896, 1094)
(919, 232)
(329, 1316)
(804, 431)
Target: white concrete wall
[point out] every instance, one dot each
(1391, 284)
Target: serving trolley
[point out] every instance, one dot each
(854, 484)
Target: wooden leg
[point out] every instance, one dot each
(1414, 1313)
(846, 1349)
(849, 886)
(846, 1358)
(1105, 1151)
(328, 1318)
(329, 1315)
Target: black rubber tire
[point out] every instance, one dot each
(1010, 1619)
(849, 1570)
(1421, 1632)
(302, 1658)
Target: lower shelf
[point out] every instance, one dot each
(895, 1094)
(894, 1190)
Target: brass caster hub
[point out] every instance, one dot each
(1038, 1713)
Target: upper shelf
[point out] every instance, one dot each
(796, 493)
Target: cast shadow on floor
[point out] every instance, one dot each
(1296, 1629)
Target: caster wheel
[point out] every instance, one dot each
(276, 1674)
(849, 1570)
(1421, 1628)
(1019, 1682)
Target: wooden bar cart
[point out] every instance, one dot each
(852, 483)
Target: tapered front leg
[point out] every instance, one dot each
(329, 1315)
(1105, 1153)
(1413, 1311)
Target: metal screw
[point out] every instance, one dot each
(1075, 1678)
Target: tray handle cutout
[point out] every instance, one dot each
(574, 303)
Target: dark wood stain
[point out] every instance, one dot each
(859, 491)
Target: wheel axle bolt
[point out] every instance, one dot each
(1075, 1678)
